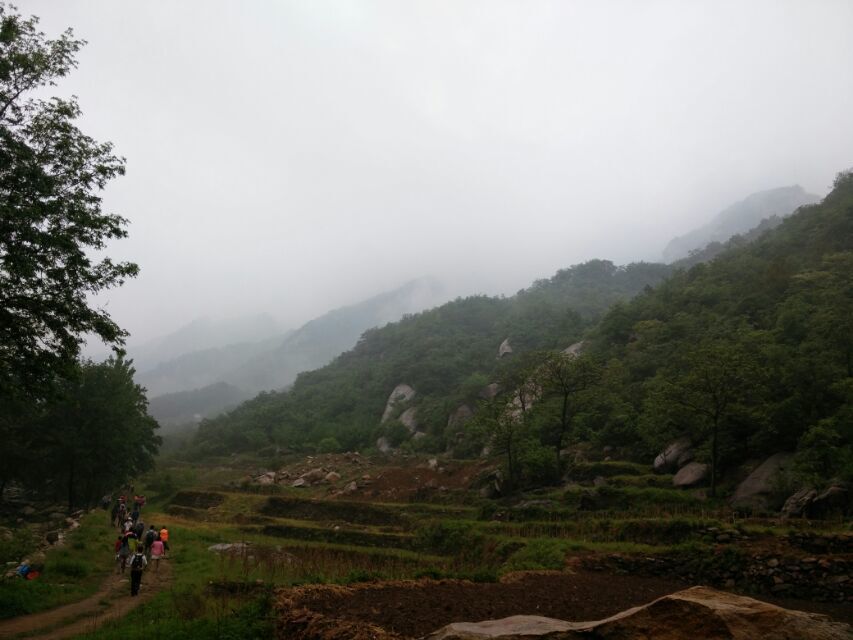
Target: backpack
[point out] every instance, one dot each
(136, 563)
(149, 537)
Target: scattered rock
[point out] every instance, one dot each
(332, 477)
(383, 445)
(314, 475)
(53, 537)
(505, 349)
(490, 391)
(690, 474)
(433, 463)
(299, 483)
(795, 506)
(667, 460)
(351, 488)
(756, 492)
(266, 479)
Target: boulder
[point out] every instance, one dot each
(409, 419)
(574, 349)
(756, 492)
(351, 488)
(834, 501)
(332, 477)
(401, 393)
(490, 391)
(690, 475)
(795, 506)
(505, 349)
(460, 416)
(266, 479)
(698, 612)
(668, 459)
(299, 483)
(432, 463)
(383, 445)
(315, 475)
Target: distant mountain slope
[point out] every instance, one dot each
(274, 362)
(739, 218)
(191, 406)
(446, 354)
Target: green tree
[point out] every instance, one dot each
(51, 219)
(566, 376)
(98, 433)
(708, 388)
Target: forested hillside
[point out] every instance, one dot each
(448, 355)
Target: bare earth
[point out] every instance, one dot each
(112, 601)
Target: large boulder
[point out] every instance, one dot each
(409, 419)
(460, 416)
(698, 612)
(574, 349)
(690, 475)
(314, 475)
(505, 349)
(676, 454)
(402, 393)
(490, 391)
(383, 445)
(795, 506)
(757, 492)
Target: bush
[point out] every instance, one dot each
(68, 567)
(328, 445)
(538, 554)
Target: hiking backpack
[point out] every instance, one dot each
(136, 563)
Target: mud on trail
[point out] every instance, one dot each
(112, 601)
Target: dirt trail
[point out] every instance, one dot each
(112, 601)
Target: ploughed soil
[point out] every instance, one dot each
(414, 609)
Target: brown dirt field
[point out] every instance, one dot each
(87, 615)
(413, 609)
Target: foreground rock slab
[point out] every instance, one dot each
(698, 612)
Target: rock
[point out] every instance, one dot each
(351, 488)
(505, 349)
(490, 391)
(433, 463)
(574, 349)
(690, 474)
(332, 477)
(460, 416)
(756, 492)
(417, 435)
(314, 475)
(409, 419)
(266, 479)
(698, 612)
(402, 393)
(53, 537)
(795, 506)
(834, 501)
(383, 445)
(29, 510)
(667, 460)
(229, 547)
(299, 483)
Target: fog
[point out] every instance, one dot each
(291, 157)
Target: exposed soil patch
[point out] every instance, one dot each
(413, 609)
(352, 512)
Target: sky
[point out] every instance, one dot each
(293, 157)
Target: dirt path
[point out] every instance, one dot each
(112, 601)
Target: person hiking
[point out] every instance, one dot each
(139, 529)
(157, 551)
(122, 512)
(134, 515)
(164, 538)
(150, 538)
(137, 566)
(114, 515)
(120, 561)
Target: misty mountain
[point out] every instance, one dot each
(273, 362)
(738, 219)
(203, 334)
(191, 406)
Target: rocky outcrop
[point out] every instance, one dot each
(409, 419)
(505, 349)
(402, 393)
(795, 506)
(460, 416)
(490, 391)
(690, 475)
(756, 493)
(574, 349)
(675, 456)
(698, 612)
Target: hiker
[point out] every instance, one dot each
(150, 539)
(137, 566)
(157, 551)
(122, 511)
(128, 525)
(114, 515)
(139, 529)
(135, 514)
(122, 553)
(164, 538)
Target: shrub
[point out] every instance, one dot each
(538, 554)
(328, 445)
(68, 567)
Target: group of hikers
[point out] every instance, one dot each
(136, 547)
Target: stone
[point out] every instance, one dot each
(432, 463)
(690, 475)
(836, 500)
(756, 492)
(574, 349)
(266, 479)
(29, 510)
(490, 391)
(53, 537)
(299, 483)
(314, 475)
(505, 349)
(351, 488)
(795, 506)
(698, 612)
(667, 460)
(332, 477)
(401, 394)
(383, 445)
(409, 419)
(460, 416)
